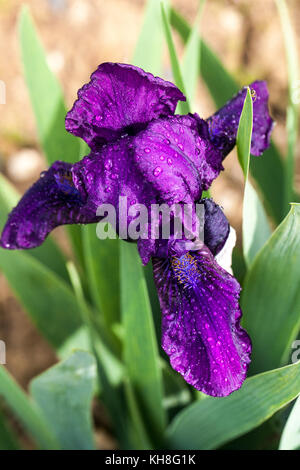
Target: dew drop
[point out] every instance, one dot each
(147, 150)
(180, 146)
(157, 171)
(108, 164)
(169, 161)
(162, 158)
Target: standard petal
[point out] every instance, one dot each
(201, 329)
(120, 99)
(175, 154)
(53, 200)
(223, 125)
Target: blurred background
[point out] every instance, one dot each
(78, 35)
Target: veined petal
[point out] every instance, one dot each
(214, 231)
(120, 99)
(52, 201)
(201, 329)
(223, 125)
(175, 154)
(110, 176)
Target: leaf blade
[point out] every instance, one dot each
(222, 420)
(46, 95)
(143, 370)
(256, 229)
(270, 298)
(64, 394)
(183, 106)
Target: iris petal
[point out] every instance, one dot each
(216, 227)
(175, 154)
(52, 201)
(216, 232)
(201, 329)
(119, 99)
(223, 125)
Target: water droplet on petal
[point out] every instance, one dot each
(157, 171)
(169, 161)
(162, 158)
(180, 146)
(108, 164)
(147, 150)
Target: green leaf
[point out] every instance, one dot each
(8, 440)
(137, 429)
(209, 423)
(192, 57)
(46, 96)
(290, 439)
(271, 297)
(46, 297)
(102, 268)
(64, 394)
(110, 371)
(291, 49)
(243, 140)
(256, 230)
(28, 414)
(183, 106)
(49, 108)
(140, 346)
(222, 87)
(148, 51)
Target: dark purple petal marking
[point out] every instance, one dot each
(201, 329)
(223, 125)
(53, 200)
(120, 99)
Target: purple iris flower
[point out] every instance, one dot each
(142, 150)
